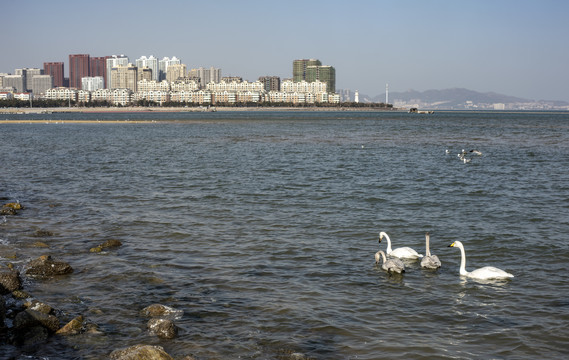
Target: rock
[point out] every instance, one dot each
(141, 352)
(34, 336)
(8, 211)
(158, 310)
(2, 311)
(9, 281)
(20, 294)
(111, 244)
(162, 328)
(45, 266)
(13, 205)
(40, 244)
(42, 233)
(28, 318)
(73, 327)
(38, 306)
(106, 245)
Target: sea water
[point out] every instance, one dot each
(262, 228)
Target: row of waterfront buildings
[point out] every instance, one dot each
(118, 81)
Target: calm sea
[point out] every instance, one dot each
(262, 227)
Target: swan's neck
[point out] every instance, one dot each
(382, 256)
(462, 261)
(427, 250)
(388, 243)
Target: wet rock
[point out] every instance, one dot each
(158, 310)
(13, 205)
(112, 243)
(73, 327)
(8, 211)
(42, 233)
(45, 266)
(28, 319)
(141, 352)
(162, 328)
(40, 244)
(33, 336)
(20, 294)
(38, 306)
(2, 311)
(9, 281)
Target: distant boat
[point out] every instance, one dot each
(417, 111)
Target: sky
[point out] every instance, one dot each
(512, 47)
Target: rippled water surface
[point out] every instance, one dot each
(262, 228)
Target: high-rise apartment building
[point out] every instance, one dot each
(299, 68)
(205, 76)
(14, 81)
(27, 75)
(114, 61)
(323, 73)
(55, 69)
(41, 83)
(92, 83)
(271, 83)
(175, 72)
(99, 67)
(149, 62)
(124, 77)
(78, 69)
(163, 66)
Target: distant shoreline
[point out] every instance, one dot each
(135, 109)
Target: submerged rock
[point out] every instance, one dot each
(73, 327)
(141, 352)
(107, 244)
(9, 281)
(162, 328)
(158, 310)
(45, 266)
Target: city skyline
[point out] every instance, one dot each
(510, 47)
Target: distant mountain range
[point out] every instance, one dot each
(449, 98)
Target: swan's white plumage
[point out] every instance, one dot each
(390, 265)
(402, 252)
(484, 273)
(429, 261)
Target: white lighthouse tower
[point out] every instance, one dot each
(357, 97)
(387, 93)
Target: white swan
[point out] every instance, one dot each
(402, 252)
(429, 261)
(484, 273)
(392, 265)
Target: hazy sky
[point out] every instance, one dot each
(513, 47)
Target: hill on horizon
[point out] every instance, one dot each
(454, 97)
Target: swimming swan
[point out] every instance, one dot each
(429, 261)
(392, 265)
(402, 252)
(484, 273)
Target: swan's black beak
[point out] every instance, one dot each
(379, 240)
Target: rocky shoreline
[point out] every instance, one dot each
(27, 323)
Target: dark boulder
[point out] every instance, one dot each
(46, 266)
(9, 281)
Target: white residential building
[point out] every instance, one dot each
(151, 63)
(92, 83)
(163, 66)
(112, 62)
